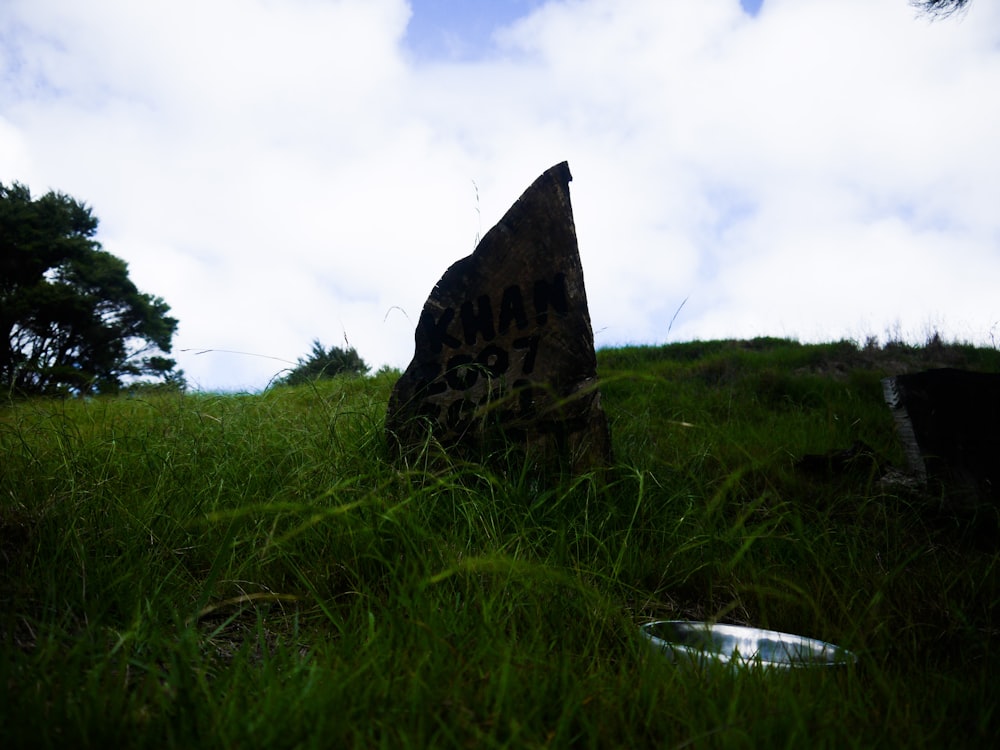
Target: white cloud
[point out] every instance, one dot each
(280, 171)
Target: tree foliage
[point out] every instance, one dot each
(71, 320)
(940, 8)
(325, 363)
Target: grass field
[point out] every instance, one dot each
(250, 571)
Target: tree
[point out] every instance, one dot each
(323, 363)
(940, 8)
(71, 320)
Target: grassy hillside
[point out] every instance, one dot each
(206, 570)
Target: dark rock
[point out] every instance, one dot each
(949, 423)
(504, 351)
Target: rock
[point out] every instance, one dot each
(949, 423)
(504, 349)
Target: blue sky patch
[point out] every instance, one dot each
(456, 30)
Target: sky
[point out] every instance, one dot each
(285, 170)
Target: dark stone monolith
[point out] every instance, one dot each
(948, 421)
(504, 352)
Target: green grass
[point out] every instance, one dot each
(234, 570)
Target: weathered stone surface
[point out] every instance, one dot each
(948, 421)
(504, 350)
